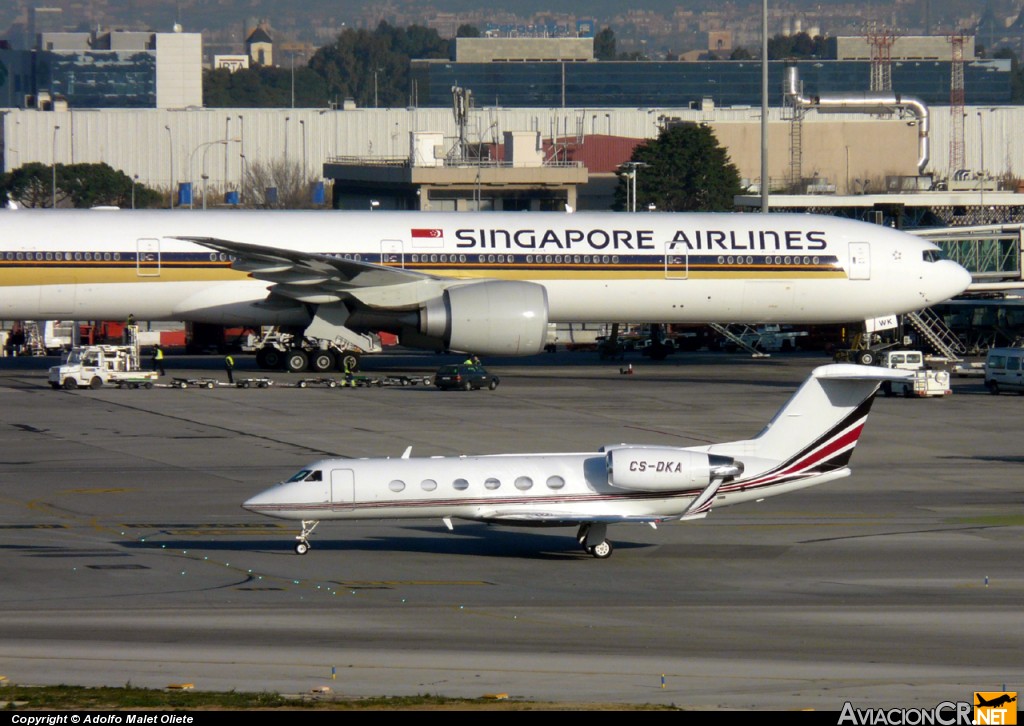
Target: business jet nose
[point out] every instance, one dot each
(253, 504)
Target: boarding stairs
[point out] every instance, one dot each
(744, 337)
(937, 334)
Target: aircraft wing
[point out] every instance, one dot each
(314, 278)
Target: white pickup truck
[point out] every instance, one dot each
(926, 381)
(96, 365)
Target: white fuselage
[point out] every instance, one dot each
(58, 264)
(545, 489)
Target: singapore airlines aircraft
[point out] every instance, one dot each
(485, 283)
(809, 441)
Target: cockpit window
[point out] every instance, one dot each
(317, 475)
(932, 255)
(300, 476)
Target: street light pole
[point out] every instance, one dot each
(53, 187)
(302, 123)
(286, 120)
(981, 135)
(633, 166)
(170, 154)
(191, 168)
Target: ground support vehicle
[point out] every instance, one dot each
(195, 383)
(94, 366)
(254, 383)
(1004, 371)
(407, 380)
(142, 382)
(278, 350)
(926, 382)
(328, 382)
(464, 377)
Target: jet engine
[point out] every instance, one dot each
(493, 317)
(656, 469)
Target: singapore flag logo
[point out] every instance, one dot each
(428, 233)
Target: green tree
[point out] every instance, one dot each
(78, 185)
(31, 185)
(799, 45)
(1016, 74)
(467, 31)
(264, 87)
(604, 45)
(683, 170)
(373, 67)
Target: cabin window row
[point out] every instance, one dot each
(530, 259)
(522, 483)
(787, 260)
(61, 256)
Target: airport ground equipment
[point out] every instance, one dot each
(195, 382)
(328, 382)
(96, 365)
(926, 382)
(279, 350)
(254, 383)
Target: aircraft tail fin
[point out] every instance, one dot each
(816, 430)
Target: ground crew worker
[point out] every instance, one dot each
(158, 360)
(229, 367)
(349, 378)
(125, 336)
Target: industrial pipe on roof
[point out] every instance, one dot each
(878, 102)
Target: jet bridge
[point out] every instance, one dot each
(990, 252)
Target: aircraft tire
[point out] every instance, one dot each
(349, 358)
(269, 358)
(296, 361)
(602, 550)
(301, 548)
(322, 361)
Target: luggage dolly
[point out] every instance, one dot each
(194, 382)
(254, 383)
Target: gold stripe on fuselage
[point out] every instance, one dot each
(54, 273)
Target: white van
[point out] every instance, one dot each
(1004, 370)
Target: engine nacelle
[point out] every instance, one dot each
(494, 317)
(657, 469)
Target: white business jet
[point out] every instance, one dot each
(809, 441)
(487, 283)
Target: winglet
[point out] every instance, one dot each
(407, 452)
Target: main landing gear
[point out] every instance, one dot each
(591, 537)
(302, 540)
